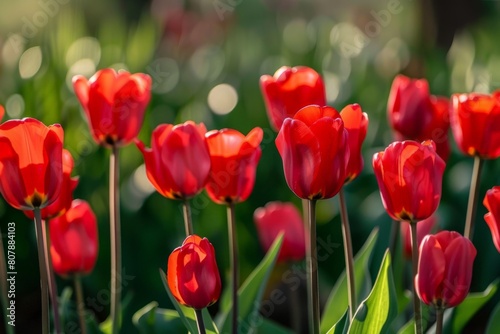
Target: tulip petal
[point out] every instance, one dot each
(431, 270)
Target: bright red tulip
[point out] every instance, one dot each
(416, 115)
(475, 121)
(192, 273)
(492, 203)
(2, 112)
(73, 240)
(356, 124)
(65, 198)
(234, 159)
(409, 175)
(114, 104)
(314, 148)
(277, 217)
(31, 169)
(424, 227)
(444, 269)
(178, 162)
(289, 90)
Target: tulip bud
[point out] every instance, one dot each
(492, 203)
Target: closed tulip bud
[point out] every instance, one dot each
(444, 269)
(192, 273)
(492, 203)
(356, 124)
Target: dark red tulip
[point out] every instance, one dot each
(416, 115)
(444, 269)
(114, 104)
(409, 175)
(289, 90)
(424, 227)
(315, 152)
(178, 162)
(492, 203)
(275, 218)
(73, 240)
(234, 159)
(475, 121)
(356, 124)
(192, 273)
(31, 169)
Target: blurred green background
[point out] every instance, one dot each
(205, 58)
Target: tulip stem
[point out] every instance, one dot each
(312, 269)
(188, 223)
(199, 321)
(114, 217)
(51, 278)
(349, 258)
(439, 320)
(233, 257)
(43, 271)
(394, 237)
(414, 256)
(473, 194)
(79, 303)
(3, 277)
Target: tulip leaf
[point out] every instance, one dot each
(379, 309)
(150, 320)
(337, 301)
(494, 322)
(409, 327)
(187, 314)
(471, 304)
(251, 291)
(341, 326)
(267, 327)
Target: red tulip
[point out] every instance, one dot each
(415, 114)
(356, 124)
(192, 273)
(2, 112)
(444, 269)
(315, 152)
(31, 170)
(277, 217)
(73, 240)
(178, 162)
(234, 159)
(289, 90)
(114, 104)
(409, 175)
(424, 227)
(492, 203)
(65, 198)
(475, 121)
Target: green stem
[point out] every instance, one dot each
(439, 320)
(43, 271)
(349, 257)
(188, 223)
(114, 204)
(199, 321)
(79, 303)
(233, 255)
(51, 278)
(473, 194)
(394, 237)
(414, 256)
(312, 269)
(3, 277)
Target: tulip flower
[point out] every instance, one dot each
(356, 124)
(424, 227)
(315, 152)
(275, 218)
(74, 241)
(65, 198)
(31, 169)
(192, 273)
(114, 104)
(416, 115)
(234, 158)
(492, 203)
(2, 112)
(475, 121)
(444, 269)
(409, 175)
(178, 162)
(289, 90)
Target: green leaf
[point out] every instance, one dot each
(250, 293)
(472, 303)
(267, 326)
(340, 326)
(377, 311)
(337, 301)
(150, 320)
(494, 322)
(187, 314)
(409, 327)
